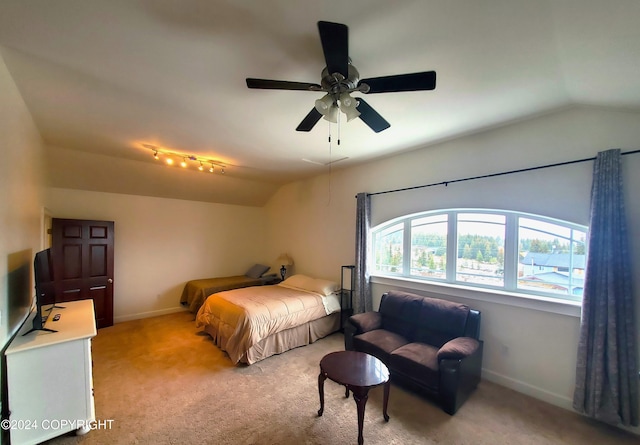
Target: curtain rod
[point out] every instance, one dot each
(491, 175)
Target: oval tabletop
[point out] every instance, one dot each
(354, 368)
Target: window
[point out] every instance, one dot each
(480, 244)
(388, 253)
(552, 257)
(429, 246)
(516, 252)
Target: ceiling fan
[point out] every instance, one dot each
(340, 78)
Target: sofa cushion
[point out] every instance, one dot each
(418, 361)
(379, 343)
(400, 312)
(440, 321)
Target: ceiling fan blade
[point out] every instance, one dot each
(267, 84)
(309, 121)
(371, 117)
(401, 82)
(335, 45)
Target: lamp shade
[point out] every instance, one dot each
(285, 260)
(351, 113)
(348, 106)
(323, 106)
(332, 114)
(346, 101)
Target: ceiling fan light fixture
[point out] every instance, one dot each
(332, 115)
(351, 113)
(324, 105)
(348, 106)
(346, 101)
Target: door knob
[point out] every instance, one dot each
(109, 281)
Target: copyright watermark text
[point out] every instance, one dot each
(56, 424)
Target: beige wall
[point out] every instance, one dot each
(162, 243)
(532, 351)
(21, 183)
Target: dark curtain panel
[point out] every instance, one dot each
(607, 368)
(362, 296)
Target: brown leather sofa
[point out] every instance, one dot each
(428, 344)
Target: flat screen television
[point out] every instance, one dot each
(45, 295)
(19, 290)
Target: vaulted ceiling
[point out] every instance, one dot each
(106, 79)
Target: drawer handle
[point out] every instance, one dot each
(97, 287)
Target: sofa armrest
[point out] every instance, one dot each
(358, 324)
(366, 322)
(460, 372)
(458, 348)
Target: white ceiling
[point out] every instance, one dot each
(107, 76)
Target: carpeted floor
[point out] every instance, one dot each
(160, 381)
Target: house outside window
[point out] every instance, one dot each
(500, 249)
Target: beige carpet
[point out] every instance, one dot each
(162, 382)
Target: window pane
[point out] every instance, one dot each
(388, 249)
(551, 258)
(429, 246)
(481, 249)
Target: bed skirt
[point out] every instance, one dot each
(285, 340)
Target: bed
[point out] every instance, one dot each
(253, 323)
(196, 291)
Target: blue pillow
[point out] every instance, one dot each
(257, 270)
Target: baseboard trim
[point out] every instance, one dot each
(540, 394)
(148, 314)
(530, 390)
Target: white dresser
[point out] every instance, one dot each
(49, 376)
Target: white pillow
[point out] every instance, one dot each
(325, 287)
(300, 281)
(317, 285)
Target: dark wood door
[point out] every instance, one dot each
(82, 259)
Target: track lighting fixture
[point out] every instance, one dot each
(170, 156)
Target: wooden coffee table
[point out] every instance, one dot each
(358, 372)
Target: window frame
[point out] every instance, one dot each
(511, 256)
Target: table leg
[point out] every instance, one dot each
(385, 401)
(360, 395)
(321, 378)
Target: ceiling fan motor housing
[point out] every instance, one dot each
(335, 84)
